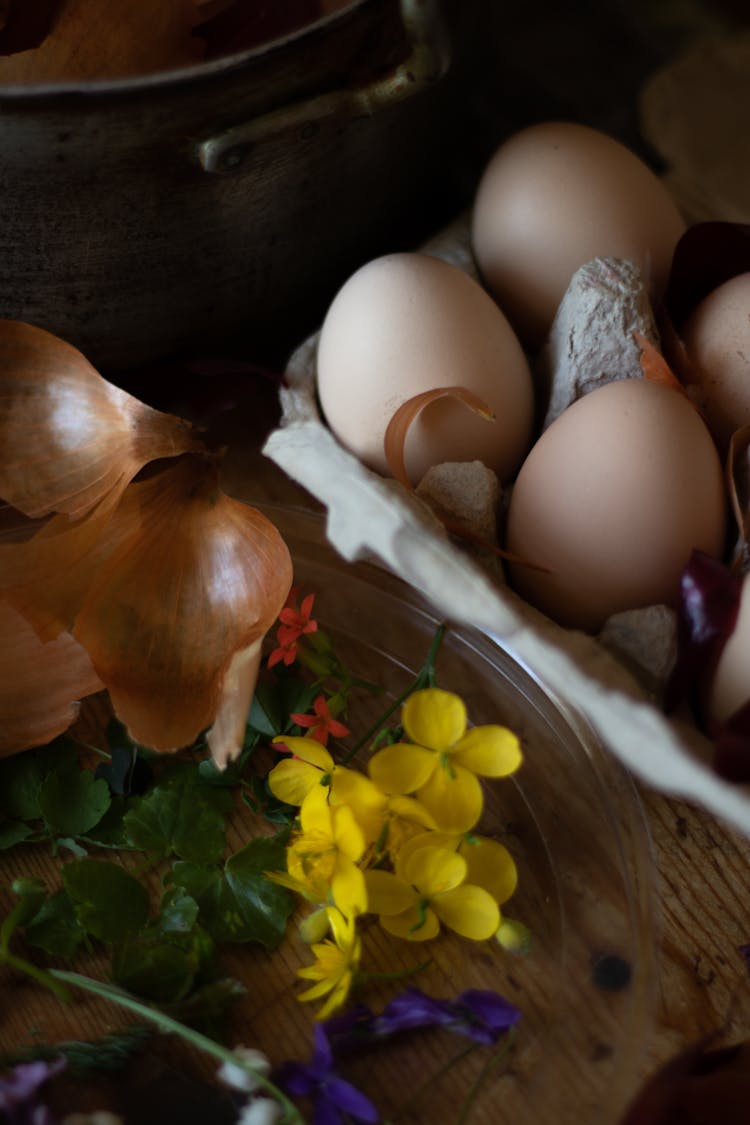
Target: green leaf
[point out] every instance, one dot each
(109, 903)
(207, 1007)
(111, 1053)
(210, 774)
(55, 927)
(241, 904)
(153, 968)
(71, 801)
(260, 799)
(266, 716)
(179, 911)
(13, 832)
(110, 831)
(180, 816)
(22, 776)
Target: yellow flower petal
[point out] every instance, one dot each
(491, 866)
(348, 887)
(434, 718)
(490, 751)
(314, 927)
(347, 834)
(343, 929)
(350, 787)
(454, 797)
(412, 925)
(471, 911)
(291, 780)
(315, 813)
(447, 840)
(434, 870)
(307, 749)
(401, 768)
(409, 809)
(386, 893)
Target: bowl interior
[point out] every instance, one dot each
(573, 822)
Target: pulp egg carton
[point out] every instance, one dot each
(614, 679)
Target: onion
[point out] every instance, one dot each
(69, 437)
(40, 684)
(189, 579)
(160, 589)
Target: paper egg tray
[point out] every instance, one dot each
(374, 518)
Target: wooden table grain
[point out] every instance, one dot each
(700, 866)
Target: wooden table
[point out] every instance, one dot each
(701, 866)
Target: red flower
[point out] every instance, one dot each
(321, 723)
(295, 621)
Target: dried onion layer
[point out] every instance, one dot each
(190, 579)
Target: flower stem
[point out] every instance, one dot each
(425, 677)
(493, 1061)
(414, 1098)
(170, 1026)
(364, 977)
(21, 965)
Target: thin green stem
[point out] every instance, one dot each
(171, 1026)
(428, 1082)
(492, 1062)
(401, 974)
(41, 976)
(425, 677)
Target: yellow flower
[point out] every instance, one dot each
(489, 864)
(293, 778)
(322, 857)
(428, 887)
(402, 820)
(387, 820)
(335, 964)
(442, 763)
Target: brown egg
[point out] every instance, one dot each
(558, 195)
(730, 687)
(717, 339)
(612, 499)
(408, 323)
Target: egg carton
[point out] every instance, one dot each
(613, 681)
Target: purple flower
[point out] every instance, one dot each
(482, 1015)
(333, 1097)
(19, 1093)
(350, 1029)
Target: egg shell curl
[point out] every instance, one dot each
(408, 323)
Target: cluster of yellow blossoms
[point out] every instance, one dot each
(397, 842)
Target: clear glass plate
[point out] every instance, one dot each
(573, 822)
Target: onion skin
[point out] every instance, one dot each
(68, 436)
(40, 684)
(190, 578)
(160, 589)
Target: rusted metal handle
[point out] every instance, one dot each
(429, 58)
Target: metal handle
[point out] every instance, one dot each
(428, 60)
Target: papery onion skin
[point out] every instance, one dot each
(69, 436)
(195, 577)
(40, 684)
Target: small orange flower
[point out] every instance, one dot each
(295, 621)
(321, 723)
